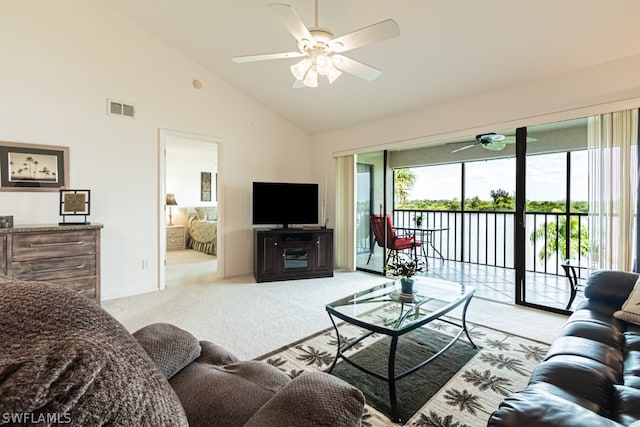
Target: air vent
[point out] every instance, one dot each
(119, 108)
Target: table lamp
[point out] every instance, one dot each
(171, 201)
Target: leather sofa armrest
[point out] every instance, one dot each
(535, 406)
(610, 286)
(313, 398)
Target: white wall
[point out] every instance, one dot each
(60, 62)
(185, 162)
(608, 87)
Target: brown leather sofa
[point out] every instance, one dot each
(591, 374)
(64, 360)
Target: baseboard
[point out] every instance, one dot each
(129, 294)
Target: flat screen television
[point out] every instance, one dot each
(284, 203)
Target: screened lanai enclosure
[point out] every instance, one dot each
(505, 214)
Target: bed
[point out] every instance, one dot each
(203, 230)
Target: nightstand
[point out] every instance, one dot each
(176, 238)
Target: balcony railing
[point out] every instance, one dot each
(487, 238)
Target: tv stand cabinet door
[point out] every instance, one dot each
(267, 255)
(324, 252)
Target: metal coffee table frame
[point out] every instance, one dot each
(396, 332)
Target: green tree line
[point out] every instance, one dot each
(501, 200)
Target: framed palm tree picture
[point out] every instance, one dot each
(32, 167)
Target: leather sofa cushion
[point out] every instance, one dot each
(544, 405)
(597, 311)
(626, 404)
(577, 346)
(610, 286)
(612, 373)
(594, 330)
(576, 381)
(632, 338)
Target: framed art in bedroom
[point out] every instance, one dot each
(32, 167)
(205, 186)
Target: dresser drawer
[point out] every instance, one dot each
(175, 232)
(175, 241)
(55, 268)
(85, 286)
(26, 246)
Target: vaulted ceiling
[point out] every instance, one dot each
(446, 50)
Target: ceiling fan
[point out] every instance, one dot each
(492, 141)
(320, 50)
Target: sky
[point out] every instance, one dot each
(545, 178)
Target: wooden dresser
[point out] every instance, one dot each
(68, 255)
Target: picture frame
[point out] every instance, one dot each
(75, 203)
(205, 186)
(33, 167)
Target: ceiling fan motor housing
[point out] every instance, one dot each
(488, 138)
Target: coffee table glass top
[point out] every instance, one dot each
(383, 308)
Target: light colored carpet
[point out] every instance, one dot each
(250, 319)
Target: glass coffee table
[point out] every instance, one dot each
(431, 300)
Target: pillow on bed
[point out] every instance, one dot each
(209, 213)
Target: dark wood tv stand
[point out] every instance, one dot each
(293, 253)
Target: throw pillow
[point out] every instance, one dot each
(201, 213)
(630, 311)
(208, 213)
(169, 346)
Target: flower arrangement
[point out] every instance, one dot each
(404, 267)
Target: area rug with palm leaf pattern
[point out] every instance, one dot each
(458, 389)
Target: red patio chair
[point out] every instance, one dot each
(394, 242)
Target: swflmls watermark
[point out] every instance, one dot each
(12, 418)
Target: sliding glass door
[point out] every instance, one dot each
(370, 199)
(555, 217)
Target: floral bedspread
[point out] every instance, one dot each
(203, 235)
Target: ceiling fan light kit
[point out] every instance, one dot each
(317, 45)
(308, 69)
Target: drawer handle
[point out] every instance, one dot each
(44, 245)
(51, 270)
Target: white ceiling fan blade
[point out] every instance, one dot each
(463, 148)
(373, 33)
(356, 68)
(291, 21)
(266, 57)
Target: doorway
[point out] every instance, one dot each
(190, 220)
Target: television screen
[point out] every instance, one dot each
(285, 203)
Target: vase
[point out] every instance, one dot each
(407, 285)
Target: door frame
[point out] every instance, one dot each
(163, 135)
